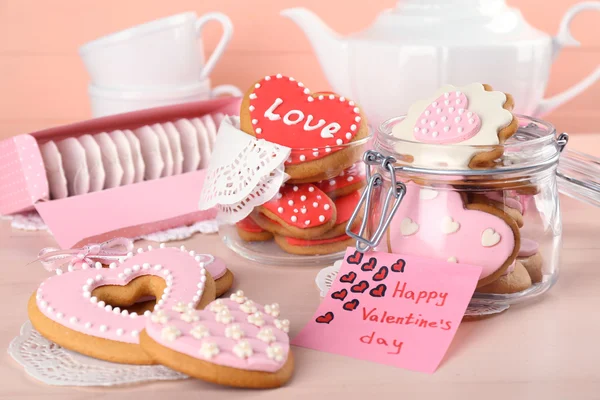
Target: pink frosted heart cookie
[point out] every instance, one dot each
(233, 342)
(437, 224)
(110, 160)
(75, 166)
(57, 182)
(455, 121)
(87, 310)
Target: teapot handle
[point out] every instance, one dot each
(564, 38)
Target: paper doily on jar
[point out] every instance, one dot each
(327, 275)
(244, 172)
(53, 365)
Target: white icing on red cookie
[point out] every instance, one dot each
(255, 342)
(285, 112)
(351, 176)
(467, 116)
(301, 206)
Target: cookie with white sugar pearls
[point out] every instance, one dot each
(91, 311)
(302, 210)
(325, 131)
(438, 130)
(248, 350)
(348, 181)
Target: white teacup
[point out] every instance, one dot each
(166, 51)
(112, 101)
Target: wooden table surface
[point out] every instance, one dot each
(546, 349)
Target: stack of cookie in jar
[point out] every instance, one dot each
(471, 218)
(326, 133)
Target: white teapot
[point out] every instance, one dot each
(420, 45)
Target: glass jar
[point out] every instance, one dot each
(505, 219)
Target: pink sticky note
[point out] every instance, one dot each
(392, 309)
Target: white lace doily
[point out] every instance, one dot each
(53, 365)
(327, 275)
(244, 172)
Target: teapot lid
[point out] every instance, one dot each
(451, 22)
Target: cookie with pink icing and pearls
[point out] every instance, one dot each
(88, 310)
(457, 127)
(303, 210)
(437, 223)
(233, 342)
(324, 130)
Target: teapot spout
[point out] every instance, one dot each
(330, 47)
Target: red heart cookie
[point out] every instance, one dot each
(283, 111)
(302, 209)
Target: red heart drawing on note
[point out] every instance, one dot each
(325, 319)
(398, 266)
(283, 111)
(369, 266)
(378, 291)
(351, 305)
(355, 258)
(348, 278)
(360, 287)
(340, 294)
(381, 274)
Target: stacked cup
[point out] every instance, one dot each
(154, 64)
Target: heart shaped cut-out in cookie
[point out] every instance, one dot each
(235, 333)
(447, 120)
(301, 206)
(285, 112)
(467, 243)
(69, 298)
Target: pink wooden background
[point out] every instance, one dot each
(43, 81)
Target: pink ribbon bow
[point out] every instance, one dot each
(106, 252)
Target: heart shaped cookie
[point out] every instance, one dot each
(316, 126)
(467, 124)
(85, 310)
(441, 226)
(233, 342)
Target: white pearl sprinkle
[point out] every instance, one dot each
(134, 333)
(112, 265)
(90, 281)
(147, 313)
(73, 320)
(326, 207)
(103, 328)
(291, 202)
(98, 265)
(307, 222)
(140, 250)
(121, 275)
(101, 304)
(87, 295)
(339, 142)
(136, 267)
(108, 307)
(59, 271)
(59, 315)
(85, 266)
(162, 245)
(127, 271)
(294, 218)
(88, 325)
(94, 299)
(124, 313)
(321, 218)
(280, 210)
(120, 331)
(157, 267)
(310, 99)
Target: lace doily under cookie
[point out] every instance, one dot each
(54, 365)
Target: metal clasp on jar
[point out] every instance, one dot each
(395, 192)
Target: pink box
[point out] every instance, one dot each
(130, 210)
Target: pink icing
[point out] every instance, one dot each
(447, 120)
(190, 345)
(528, 248)
(216, 269)
(62, 298)
(428, 208)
